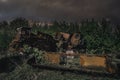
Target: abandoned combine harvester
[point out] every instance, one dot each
(66, 60)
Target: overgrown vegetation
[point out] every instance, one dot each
(28, 73)
(35, 52)
(101, 37)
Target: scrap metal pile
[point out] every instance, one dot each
(69, 58)
(40, 40)
(46, 42)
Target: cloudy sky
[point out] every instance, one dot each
(60, 9)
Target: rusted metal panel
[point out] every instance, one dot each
(84, 60)
(96, 61)
(79, 62)
(52, 58)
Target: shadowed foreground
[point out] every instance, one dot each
(23, 71)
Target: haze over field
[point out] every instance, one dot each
(60, 9)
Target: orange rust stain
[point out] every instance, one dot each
(52, 58)
(14, 42)
(111, 70)
(82, 61)
(65, 35)
(74, 40)
(17, 37)
(97, 61)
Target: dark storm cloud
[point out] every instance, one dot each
(60, 9)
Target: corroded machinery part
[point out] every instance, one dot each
(79, 62)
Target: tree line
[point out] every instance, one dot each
(101, 36)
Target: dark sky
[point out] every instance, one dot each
(60, 9)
